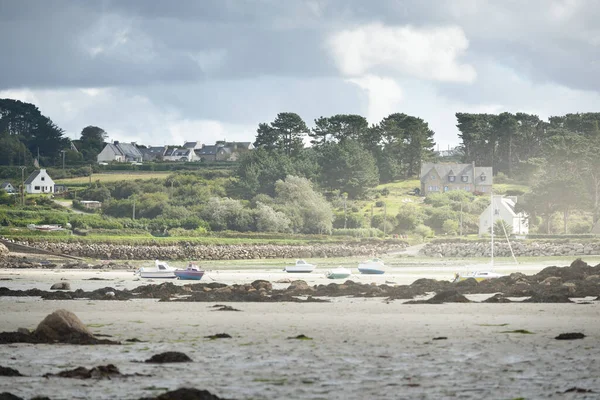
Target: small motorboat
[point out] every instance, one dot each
(161, 270)
(477, 275)
(374, 266)
(192, 272)
(338, 273)
(300, 267)
(45, 228)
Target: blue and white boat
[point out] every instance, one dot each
(192, 272)
(374, 266)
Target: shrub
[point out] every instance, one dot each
(423, 232)
(360, 233)
(450, 227)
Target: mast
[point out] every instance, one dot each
(492, 223)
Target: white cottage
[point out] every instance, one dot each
(120, 152)
(39, 182)
(504, 209)
(7, 187)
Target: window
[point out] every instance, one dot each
(468, 188)
(464, 178)
(496, 211)
(36, 188)
(451, 178)
(432, 177)
(445, 188)
(482, 177)
(43, 178)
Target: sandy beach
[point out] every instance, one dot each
(360, 348)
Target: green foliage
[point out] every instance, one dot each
(91, 142)
(409, 217)
(450, 227)
(423, 232)
(359, 232)
(222, 214)
(269, 220)
(437, 216)
(284, 134)
(307, 209)
(353, 220)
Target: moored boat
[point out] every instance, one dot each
(374, 266)
(161, 270)
(477, 275)
(301, 266)
(45, 228)
(192, 272)
(338, 273)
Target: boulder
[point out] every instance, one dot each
(3, 251)
(298, 286)
(62, 326)
(168, 357)
(61, 286)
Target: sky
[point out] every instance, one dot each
(164, 72)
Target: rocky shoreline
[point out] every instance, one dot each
(520, 249)
(191, 251)
(551, 285)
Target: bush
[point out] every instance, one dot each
(379, 203)
(424, 232)
(359, 233)
(180, 232)
(409, 216)
(94, 221)
(450, 227)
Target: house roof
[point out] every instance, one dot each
(33, 175)
(190, 145)
(208, 150)
(177, 152)
(445, 169)
(4, 185)
(129, 150)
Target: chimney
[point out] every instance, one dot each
(116, 142)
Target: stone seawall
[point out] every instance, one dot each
(216, 252)
(521, 249)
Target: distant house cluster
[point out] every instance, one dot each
(189, 152)
(440, 178)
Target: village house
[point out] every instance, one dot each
(39, 182)
(179, 154)
(504, 209)
(120, 152)
(7, 187)
(440, 178)
(153, 153)
(223, 151)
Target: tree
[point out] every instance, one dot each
(307, 209)
(338, 128)
(37, 132)
(348, 167)
(91, 142)
(285, 134)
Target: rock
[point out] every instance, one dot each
(447, 296)
(61, 286)
(497, 298)
(185, 394)
(219, 336)
(100, 372)
(260, 284)
(9, 396)
(168, 357)
(298, 286)
(63, 326)
(7, 371)
(3, 251)
(570, 336)
(551, 280)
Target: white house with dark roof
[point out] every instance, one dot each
(39, 182)
(444, 177)
(504, 209)
(7, 187)
(179, 154)
(192, 145)
(120, 152)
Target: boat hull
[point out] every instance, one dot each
(157, 275)
(189, 275)
(371, 271)
(338, 274)
(295, 270)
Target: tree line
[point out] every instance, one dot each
(346, 154)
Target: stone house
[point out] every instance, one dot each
(153, 153)
(504, 209)
(223, 151)
(120, 152)
(444, 177)
(39, 182)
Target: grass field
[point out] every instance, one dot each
(114, 177)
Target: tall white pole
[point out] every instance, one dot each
(492, 222)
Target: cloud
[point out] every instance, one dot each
(425, 53)
(384, 96)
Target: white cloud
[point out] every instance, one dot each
(425, 53)
(127, 117)
(384, 96)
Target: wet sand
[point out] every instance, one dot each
(360, 348)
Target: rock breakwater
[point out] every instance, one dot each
(192, 251)
(520, 249)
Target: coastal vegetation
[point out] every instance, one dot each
(355, 180)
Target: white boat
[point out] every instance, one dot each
(161, 270)
(45, 228)
(301, 266)
(338, 273)
(477, 275)
(374, 266)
